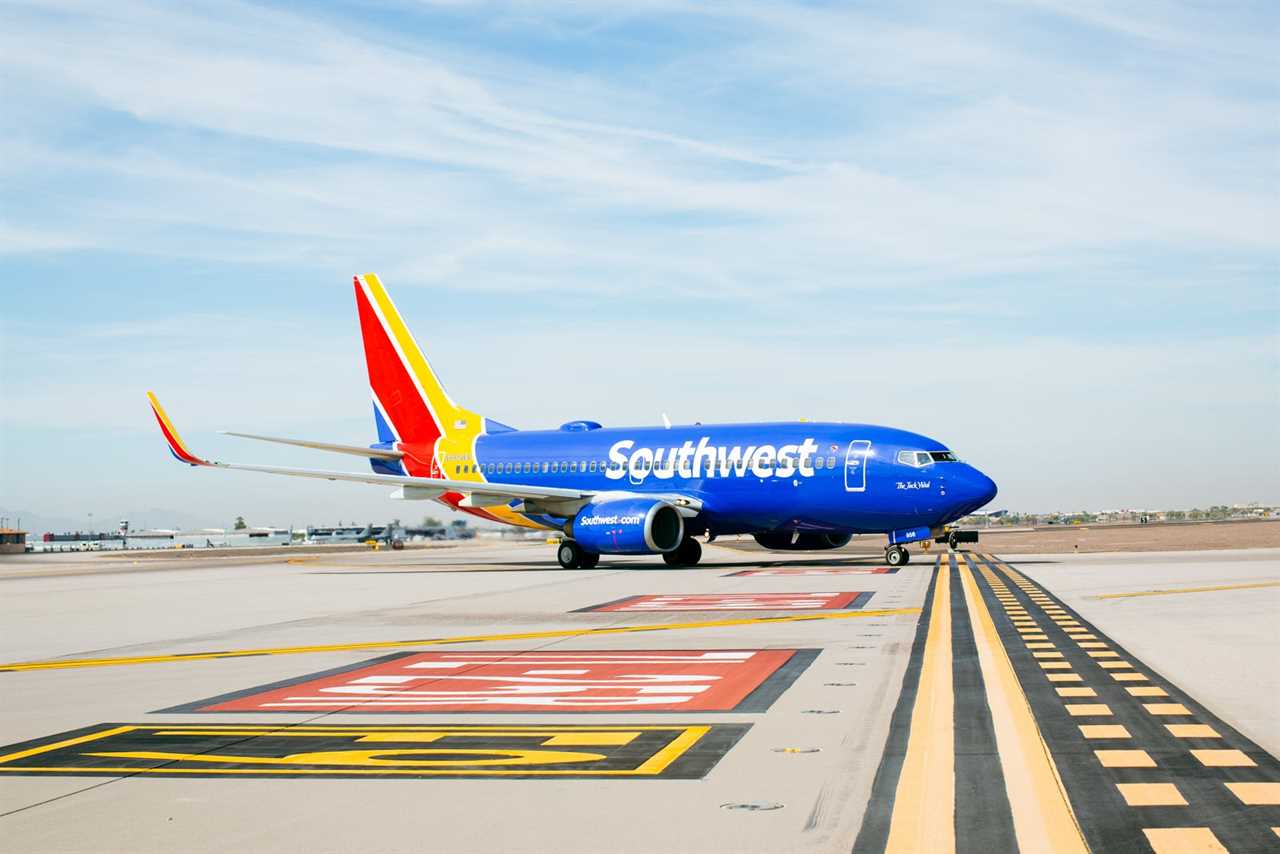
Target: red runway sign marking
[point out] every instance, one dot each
(535, 681)
(813, 570)
(736, 602)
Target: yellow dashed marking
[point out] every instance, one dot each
(1128, 677)
(1064, 677)
(1256, 794)
(1166, 708)
(1183, 840)
(1104, 653)
(1104, 731)
(1114, 665)
(1055, 665)
(1192, 731)
(1087, 709)
(1146, 691)
(1125, 758)
(1092, 645)
(1151, 795)
(1047, 654)
(1041, 646)
(1076, 692)
(1223, 758)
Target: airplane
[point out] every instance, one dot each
(793, 486)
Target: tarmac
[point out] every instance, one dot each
(479, 698)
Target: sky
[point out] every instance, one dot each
(1044, 233)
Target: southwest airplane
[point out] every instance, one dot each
(794, 486)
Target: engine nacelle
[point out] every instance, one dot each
(627, 526)
(788, 541)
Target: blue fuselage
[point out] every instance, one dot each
(751, 478)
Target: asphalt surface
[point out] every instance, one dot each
(481, 699)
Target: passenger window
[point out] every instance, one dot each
(831, 462)
(593, 465)
(555, 468)
(820, 463)
(573, 466)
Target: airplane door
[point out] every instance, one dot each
(855, 465)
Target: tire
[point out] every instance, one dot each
(588, 560)
(569, 554)
(688, 553)
(953, 540)
(896, 556)
(691, 551)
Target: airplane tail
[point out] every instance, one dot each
(410, 406)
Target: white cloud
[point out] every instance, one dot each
(898, 214)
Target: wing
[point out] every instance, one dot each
(353, 450)
(540, 499)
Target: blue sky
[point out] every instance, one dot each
(1044, 232)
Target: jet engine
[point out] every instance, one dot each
(790, 541)
(627, 526)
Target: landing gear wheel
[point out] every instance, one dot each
(897, 556)
(953, 540)
(688, 553)
(569, 554)
(588, 560)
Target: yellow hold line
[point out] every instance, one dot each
(924, 803)
(1042, 816)
(1173, 590)
(348, 647)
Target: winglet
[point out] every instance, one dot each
(176, 447)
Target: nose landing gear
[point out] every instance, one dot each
(897, 556)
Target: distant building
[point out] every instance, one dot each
(12, 541)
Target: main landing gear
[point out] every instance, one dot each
(688, 553)
(571, 556)
(897, 556)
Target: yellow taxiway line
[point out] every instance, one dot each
(1172, 590)
(1042, 816)
(62, 664)
(924, 804)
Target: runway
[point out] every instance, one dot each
(480, 699)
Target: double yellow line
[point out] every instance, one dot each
(924, 803)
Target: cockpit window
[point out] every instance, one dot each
(919, 459)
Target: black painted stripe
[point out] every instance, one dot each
(873, 836)
(1108, 822)
(984, 821)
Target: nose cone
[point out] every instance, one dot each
(984, 488)
(972, 490)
